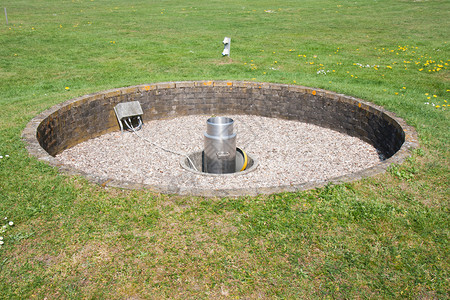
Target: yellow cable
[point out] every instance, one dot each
(245, 159)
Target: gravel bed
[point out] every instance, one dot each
(289, 152)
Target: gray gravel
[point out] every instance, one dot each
(289, 152)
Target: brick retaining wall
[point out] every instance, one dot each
(86, 117)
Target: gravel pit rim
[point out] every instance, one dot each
(253, 163)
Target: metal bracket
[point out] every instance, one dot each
(131, 110)
(223, 155)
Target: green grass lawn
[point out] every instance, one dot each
(382, 237)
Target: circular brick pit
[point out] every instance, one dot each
(80, 119)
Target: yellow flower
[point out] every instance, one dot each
(404, 87)
(437, 106)
(389, 67)
(67, 88)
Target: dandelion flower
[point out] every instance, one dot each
(67, 88)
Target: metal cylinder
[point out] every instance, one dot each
(220, 146)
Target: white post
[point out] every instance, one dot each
(6, 16)
(226, 47)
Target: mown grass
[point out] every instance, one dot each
(383, 237)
